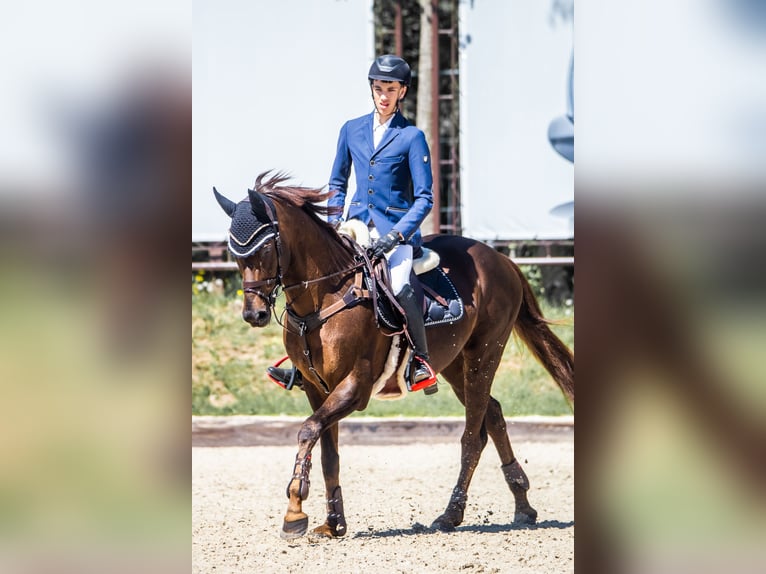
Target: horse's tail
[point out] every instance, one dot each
(547, 348)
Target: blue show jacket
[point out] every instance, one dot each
(393, 181)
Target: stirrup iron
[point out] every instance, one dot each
(428, 385)
(293, 377)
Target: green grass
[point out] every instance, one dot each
(229, 360)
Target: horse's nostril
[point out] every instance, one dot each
(255, 318)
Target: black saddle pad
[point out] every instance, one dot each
(435, 312)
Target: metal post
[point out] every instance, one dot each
(435, 143)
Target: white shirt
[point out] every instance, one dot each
(379, 129)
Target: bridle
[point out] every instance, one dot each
(254, 287)
(276, 280)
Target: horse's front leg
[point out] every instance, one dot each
(335, 524)
(296, 521)
(341, 402)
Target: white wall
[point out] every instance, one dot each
(513, 78)
(272, 84)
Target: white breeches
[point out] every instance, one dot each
(399, 262)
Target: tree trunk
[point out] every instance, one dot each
(423, 117)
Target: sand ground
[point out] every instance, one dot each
(392, 493)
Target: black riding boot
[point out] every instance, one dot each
(288, 377)
(419, 370)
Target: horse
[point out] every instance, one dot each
(281, 240)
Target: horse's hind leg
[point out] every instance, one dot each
(476, 399)
(514, 475)
(471, 382)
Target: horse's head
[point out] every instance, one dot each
(254, 242)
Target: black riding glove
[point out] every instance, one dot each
(385, 243)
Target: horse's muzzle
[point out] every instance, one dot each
(257, 318)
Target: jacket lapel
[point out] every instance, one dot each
(393, 131)
(367, 129)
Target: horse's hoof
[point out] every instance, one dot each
(327, 531)
(444, 524)
(526, 516)
(323, 531)
(294, 529)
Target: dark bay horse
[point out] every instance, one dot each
(280, 240)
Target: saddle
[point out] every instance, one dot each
(435, 291)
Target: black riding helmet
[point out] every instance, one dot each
(390, 68)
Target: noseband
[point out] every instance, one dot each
(253, 287)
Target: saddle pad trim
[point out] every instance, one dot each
(455, 297)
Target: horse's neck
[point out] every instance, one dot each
(313, 254)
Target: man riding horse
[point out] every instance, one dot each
(392, 165)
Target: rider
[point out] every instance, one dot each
(392, 165)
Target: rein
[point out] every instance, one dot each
(305, 284)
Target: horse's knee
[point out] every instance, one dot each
(309, 432)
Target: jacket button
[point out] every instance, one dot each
(370, 191)
(370, 205)
(370, 177)
(372, 162)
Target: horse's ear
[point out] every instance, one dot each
(228, 205)
(258, 206)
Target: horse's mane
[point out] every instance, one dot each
(309, 199)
